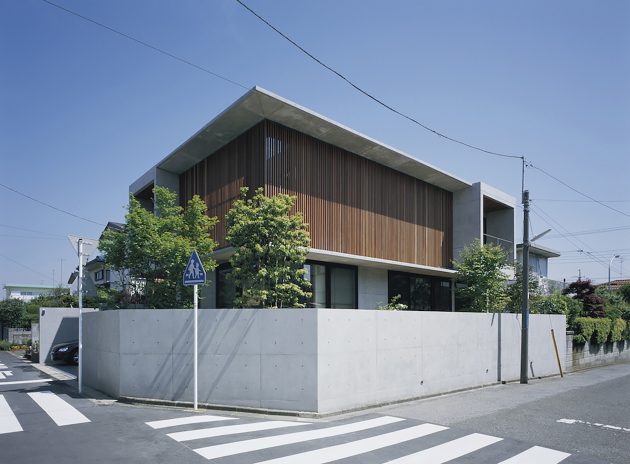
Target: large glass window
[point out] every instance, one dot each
(420, 293)
(316, 275)
(225, 288)
(343, 287)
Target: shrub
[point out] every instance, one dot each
(595, 330)
(550, 304)
(617, 330)
(393, 305)
(5, 345)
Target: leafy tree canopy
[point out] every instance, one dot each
(270, 247)
(152, 251)
(515, 291)
(584, 291)
(480, 270)
(12, 312)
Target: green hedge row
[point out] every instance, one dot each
(600, 330)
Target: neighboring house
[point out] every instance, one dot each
(27, 292)
(96, 273)
(615, 284)
(539, 264)
(381, 222)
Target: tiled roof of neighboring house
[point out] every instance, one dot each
(615, 284)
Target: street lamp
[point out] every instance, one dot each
(610, 264)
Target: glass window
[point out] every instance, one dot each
(316, 275)
(343, 287)
(420, 293)
(225, 288)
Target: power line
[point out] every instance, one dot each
(566, 237)
(24, 266)
(578, 201)
(577, 191)
(32, 230)
(146, 44)
(30, 238)
(593, 231)
(49, 205)
(371, 96)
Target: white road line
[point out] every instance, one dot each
(19, 382)
(58, 410)
(161, 424)
(232, 429)
(228, 449)
(449, 450)
(8, 421)
(593, 424)
(3, 366)
(353, 448)
(2, 375)
(539, 455)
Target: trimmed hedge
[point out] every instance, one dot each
(618, 330)
(600, 330)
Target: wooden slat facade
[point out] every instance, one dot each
(218, 178)
(352, 205)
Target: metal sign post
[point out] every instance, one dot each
(80, 245)
(195, 274)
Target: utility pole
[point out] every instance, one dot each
(525, 297)
(80, 290)
(610, 264)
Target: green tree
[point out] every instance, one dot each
(152, 251)
(480, 271)
(270, 247)
(515, 290)
(12, 313)
(624, 290)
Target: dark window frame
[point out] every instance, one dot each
(434, 281)
(327, 267)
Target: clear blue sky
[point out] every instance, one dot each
(84, 112)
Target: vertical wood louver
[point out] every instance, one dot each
(352, 205)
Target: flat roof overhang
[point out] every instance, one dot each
(540, 250)
(224, 254)
(259, 104)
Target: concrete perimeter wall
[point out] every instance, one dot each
(311, 360)
(57, 325)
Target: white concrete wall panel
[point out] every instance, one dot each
(372, 287)
(310, 360)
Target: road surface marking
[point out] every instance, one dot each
(58, 410)
(593, 424)
(3, 366)
(539, 455)
(8, 421)
(19, 382)
(353, 448)
(449, 450)
(232, 429)
(161, 424)
(255, 444)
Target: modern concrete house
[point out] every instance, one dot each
(381, 222)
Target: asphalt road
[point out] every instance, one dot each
(46, 421)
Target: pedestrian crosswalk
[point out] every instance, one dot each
(59, 410)
(382, 439)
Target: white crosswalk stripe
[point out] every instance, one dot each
(228, 449)
(8, 422)
(346, 450)
(161, 424)
(231, 430)
(539, 455)
(59, 411)
(440, 448)
(449, 450)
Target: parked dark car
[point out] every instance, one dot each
(66, 352)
